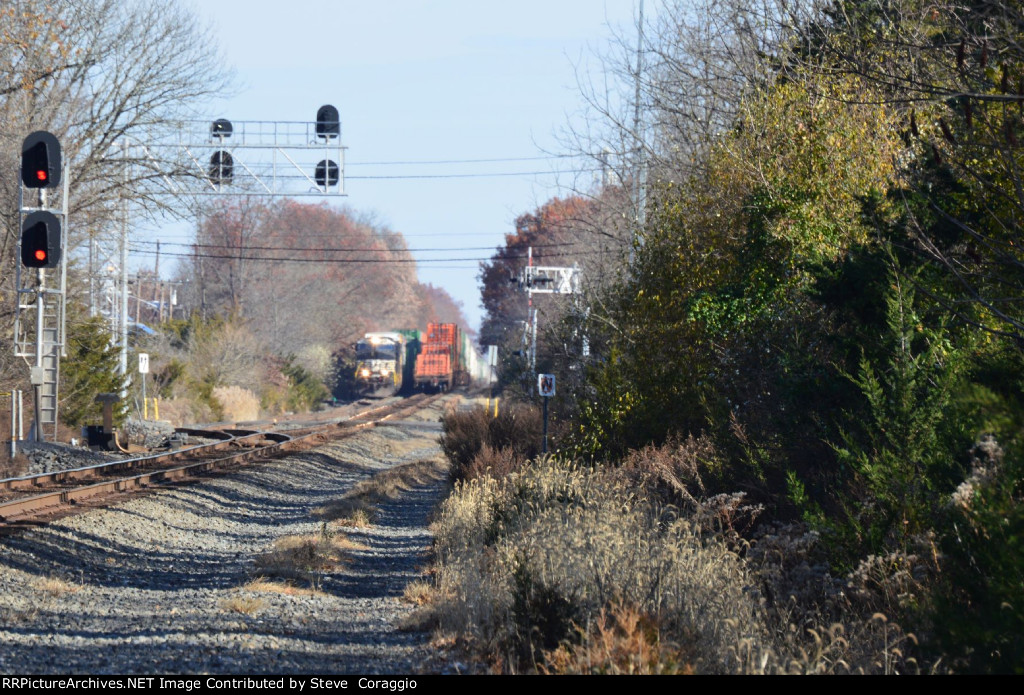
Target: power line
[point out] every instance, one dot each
(467, 176)
(366, 249)
(463, 161)
(351, 261)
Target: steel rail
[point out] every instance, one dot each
(254, 442)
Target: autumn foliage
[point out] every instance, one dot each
(826, 294)
(279, 294)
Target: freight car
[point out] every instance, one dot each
(380, 360)
(444, 359)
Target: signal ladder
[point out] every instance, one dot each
(41, 342)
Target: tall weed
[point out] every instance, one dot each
(477, 443)
(533, 567)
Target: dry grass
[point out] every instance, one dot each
(622, 641)
(496, 463)
(358, 506)
(55, 586)
(418, 593)
(237, 403)
(266, 586)
(425, 617)
(305, 558)
(356, 512)
(182, 411)
(246, 605)
(563, 568)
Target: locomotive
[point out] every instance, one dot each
(380, 360)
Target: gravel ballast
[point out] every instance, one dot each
(156, 584)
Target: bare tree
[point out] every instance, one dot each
(107, 77)
(101, 75)
(316, 278)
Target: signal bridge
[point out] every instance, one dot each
(552, 280)
(187, 160)
(191, 160)
(255, 158)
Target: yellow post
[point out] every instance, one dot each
(145, 408)
(156, 409)
(495, 406)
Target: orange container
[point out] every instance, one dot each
(439, 361)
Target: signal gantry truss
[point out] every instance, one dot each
(257, 158)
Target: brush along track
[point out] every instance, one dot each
(31, 499)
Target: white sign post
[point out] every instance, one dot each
(546, 388)
(144, 370)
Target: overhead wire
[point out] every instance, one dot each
(350, 261)
(367, 249)
(409, 250)
(477, 175)
(464, 161)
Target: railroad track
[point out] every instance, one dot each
(30, 500)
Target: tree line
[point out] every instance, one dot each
(825, 288)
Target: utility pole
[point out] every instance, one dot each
(640, 174)
(123, 314)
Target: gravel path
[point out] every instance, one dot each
(155, 584)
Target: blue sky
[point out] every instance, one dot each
(426, 81)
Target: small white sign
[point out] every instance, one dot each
(143, 363)
(492, 355)
(546, 385)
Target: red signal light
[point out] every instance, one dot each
(40, 255)
(42, 175)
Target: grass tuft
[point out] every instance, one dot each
(305, 558)
(358, 506)
(246, 605)
(55, 586)
(268, 586)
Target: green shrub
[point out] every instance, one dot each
(306, 391)
(91, 367)
(903, 456)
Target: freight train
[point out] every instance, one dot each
(441, 359)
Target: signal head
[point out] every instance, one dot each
(221, 128)
(222, 167)
(40, 160)
(328, 123)
(41, 240)
(326, 173)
